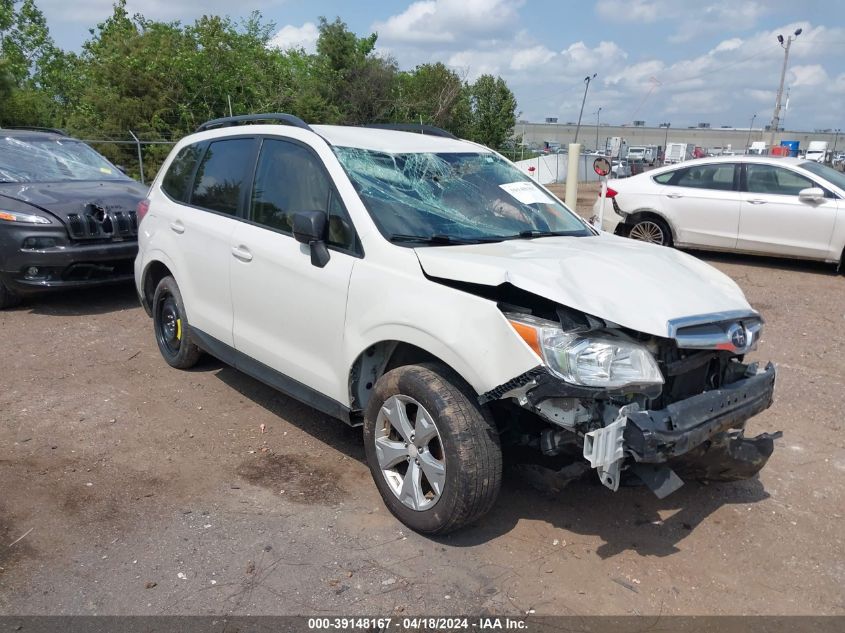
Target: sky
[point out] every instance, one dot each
(679, 61)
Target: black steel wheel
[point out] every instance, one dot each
(171, 326)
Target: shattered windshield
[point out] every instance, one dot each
(52, 160)
(454, 197)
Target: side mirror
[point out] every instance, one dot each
(309, 227)
(813, 195)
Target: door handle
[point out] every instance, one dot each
(674, 195)
(242, 253)
(757, 201)
(177, 227)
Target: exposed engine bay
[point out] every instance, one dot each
(688, 421)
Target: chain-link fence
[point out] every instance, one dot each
(137, 157)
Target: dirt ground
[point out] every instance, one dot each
(587, 194)
(127, 487)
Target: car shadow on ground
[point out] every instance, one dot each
(758, 261)
(631, 519)
(324, 428)
(82, 301)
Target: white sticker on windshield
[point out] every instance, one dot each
(527, 193)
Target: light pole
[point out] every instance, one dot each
(666, 141)
(776, 115)
(598, 122)
(587, 81)
(835, 139)
(750, 127)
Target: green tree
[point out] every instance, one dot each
(162, 79)
(436, 95)
(355, 84)
(7, 82)
(29, 54)
(25, 39)
(493, 111)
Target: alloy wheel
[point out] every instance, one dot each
(410, 452)
(647, 231)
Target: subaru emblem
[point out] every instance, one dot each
(736, 332)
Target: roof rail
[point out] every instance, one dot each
(33, 128)
(420, 128)
(274, 117)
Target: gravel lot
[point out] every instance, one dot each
(139, 489)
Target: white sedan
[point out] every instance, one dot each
(751, 204)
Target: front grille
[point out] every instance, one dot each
(105, 225)
(89, 271)
(687, 372)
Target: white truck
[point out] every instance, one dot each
(648, 153)
(616, 147)
(817, 151)
(678, 153)
(757, 148)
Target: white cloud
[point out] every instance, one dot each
(93, 11)
(471, 64)
(444, 21)
(715, 17)
(582, 58)
(692, 18)
(631, 10)
(727, 45)
(811, 75)
(531, 57)
(290, 36)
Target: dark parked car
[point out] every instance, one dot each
(67, 215)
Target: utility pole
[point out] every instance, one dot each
(835, 139)
(750, 127)
(776, 115)
(587, 81)
(598, 122)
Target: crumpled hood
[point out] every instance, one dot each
(62, 198)
(637, 285)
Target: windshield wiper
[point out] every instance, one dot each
(531, 234)
(438, 239)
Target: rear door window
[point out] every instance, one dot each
(223, 175)
(719, 177)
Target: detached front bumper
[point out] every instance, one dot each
(688, 427)
(658, 436)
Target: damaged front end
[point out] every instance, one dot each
(632, 404)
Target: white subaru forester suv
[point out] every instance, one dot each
(422, 286)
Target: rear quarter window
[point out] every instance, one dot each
(177, 180)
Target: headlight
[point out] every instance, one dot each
(24, 218)
(590, 361)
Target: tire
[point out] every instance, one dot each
(170, 324)
(651, 229)
(8, 299)
(462, 454)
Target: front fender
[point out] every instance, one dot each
(468, 333)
